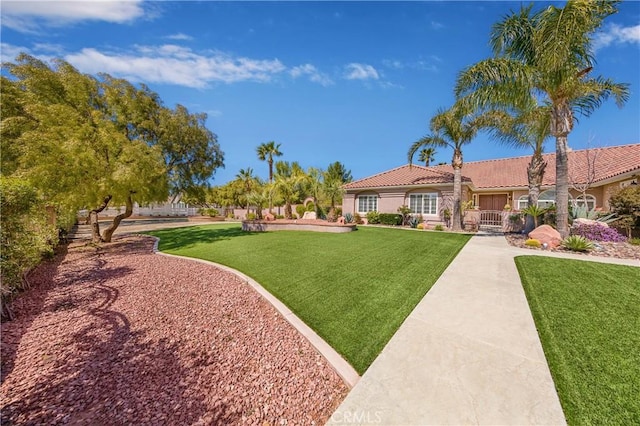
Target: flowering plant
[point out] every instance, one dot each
(597, 232)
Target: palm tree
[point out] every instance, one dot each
(452, 128)
(427, 155)
(333, 191)
(266, 152)
(548, 55)
(288, 182)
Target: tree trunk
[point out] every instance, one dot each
(561, 125)
(93, 220)
(535, 174)
(456, 224)
(288, 212)
(108, 233)
(562, 187)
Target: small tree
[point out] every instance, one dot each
(626, 204)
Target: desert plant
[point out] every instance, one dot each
(634, 241)
(331, 216)
(582, 212)
(348, 218)
(251, 216)
(405, 211)
(373, 217)
(515, 217)
(535, 212)
(357, 218)
(438, 227)
(420, 225)
(531, 242)
(413, 222)
(577, 243)
(597, 232)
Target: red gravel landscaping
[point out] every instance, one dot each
(119, 335)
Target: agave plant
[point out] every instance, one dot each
(577, 243)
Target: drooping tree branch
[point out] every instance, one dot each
(93, 219)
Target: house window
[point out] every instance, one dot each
(424, 203)
(367, 203)
(545, 199)
(588, 201)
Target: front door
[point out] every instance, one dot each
(492, 201)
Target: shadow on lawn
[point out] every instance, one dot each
(179, 238)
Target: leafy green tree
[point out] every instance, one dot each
(452, 128)
(427, 155)
(626, 205)
(547, 55)
(337, 171)
(86, 142)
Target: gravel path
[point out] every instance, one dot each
(119, 335)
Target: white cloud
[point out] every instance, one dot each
(313, 73)
(420, 65)
(179, 36)
(171, 64)
(10, 52)
(31, 16)
(437, 25)
(355, 71)
(616, 34)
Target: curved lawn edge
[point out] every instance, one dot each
(348, 374)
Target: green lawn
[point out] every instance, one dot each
(354, 289)
(588, 318)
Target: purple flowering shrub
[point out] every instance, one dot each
(597, 232)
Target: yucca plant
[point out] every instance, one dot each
(348, 218)
(577, 243)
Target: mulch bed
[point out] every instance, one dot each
(119, 335)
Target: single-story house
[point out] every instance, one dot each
(493, 184)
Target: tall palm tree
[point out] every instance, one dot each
(547, 54)
(266, 152)
(427, 155)
(452, 128)
(247, 180)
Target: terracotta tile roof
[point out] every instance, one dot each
(511, 172)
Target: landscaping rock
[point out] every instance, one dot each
(309, 215)
(584, 221)
(546, 234)
(269, 217)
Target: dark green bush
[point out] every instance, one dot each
(300, 209)
(311, 207)
(208, 212)
(393, 219)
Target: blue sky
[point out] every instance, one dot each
(355, 82)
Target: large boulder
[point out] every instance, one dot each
(309, 215)
(269, 217)
(546, 234)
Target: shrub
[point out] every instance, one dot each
(348, 218)
(533, 243)
(332, 216)
(597, 232)
(577, 243)
(279, 216)
(25, 236)
(626, 204)
(373, 217)
(438, 227)
(208, 212)
(311, 207)
(251, 216)
(357, 218)
(420, 225)
(634, 241)
(413, 222)
(393, 219)
(300, 209)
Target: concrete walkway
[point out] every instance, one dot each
(469, 353)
